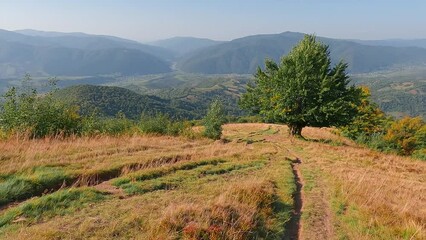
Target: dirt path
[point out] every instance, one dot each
(312, 202)
(293, 228)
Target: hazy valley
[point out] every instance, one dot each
(194, 70)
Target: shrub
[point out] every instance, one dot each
(157, 124)
(420, 154)
(407, 135)
(250, 119)
(163, 125)
(213, 120)
(370, 121)
(26, 112)
(96, 125)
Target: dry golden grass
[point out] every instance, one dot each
(348, 191)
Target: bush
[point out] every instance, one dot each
(95, 125)
(213, 120)
(157, 124)
(374, 141)
(407, 135)
(250, 119)
(369, 121)
(163, 125)
(420, 154)
(25, 112)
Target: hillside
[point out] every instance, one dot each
(244, 55)
(75, 55)
(260, 184)
(109, 101)
(184, 45)
(395, 42)
(195, 89)
(81, 41)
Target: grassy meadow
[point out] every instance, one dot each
(255, 183)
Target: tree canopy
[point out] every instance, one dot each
(303, 89)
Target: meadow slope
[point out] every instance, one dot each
(258, 183)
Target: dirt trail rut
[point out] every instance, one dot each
(293, 228)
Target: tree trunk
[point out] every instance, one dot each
(295, 130)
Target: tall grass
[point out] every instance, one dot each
(240, 212)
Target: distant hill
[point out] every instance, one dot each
(184, 45)
(18, 58)
(73, 56)
(244, 55)
(195, 89)
(400, 92)
(82, 41)
(109, 101)
(394, 42)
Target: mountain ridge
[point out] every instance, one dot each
(244, 55)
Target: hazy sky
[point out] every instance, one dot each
(146, 20)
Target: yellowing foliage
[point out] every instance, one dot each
(407, 135)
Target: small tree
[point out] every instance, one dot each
(213, 120)
(303, 90)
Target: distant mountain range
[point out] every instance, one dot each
(78, 54)
(244, 55)
(394, 42)
(182, 71)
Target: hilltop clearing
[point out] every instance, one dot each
(258, 183)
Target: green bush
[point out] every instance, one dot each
(420, 154)
(369, 120)
(213, 120)
(25, 112)
(157, 124)
(250, 119)
(163, 125)
(96, 125)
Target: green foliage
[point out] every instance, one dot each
(407, 135)
(162, 124)
(369, 121)
(420, 154)
(25, 112)
(109, 101)
(303, 90)
(95, 125)
(157, 124)
(213, 120)
(58, 203)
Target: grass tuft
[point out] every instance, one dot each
(32, 183)
(58, 203)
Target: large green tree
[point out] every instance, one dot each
(303, 89)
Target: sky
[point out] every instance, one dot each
(149, 20)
